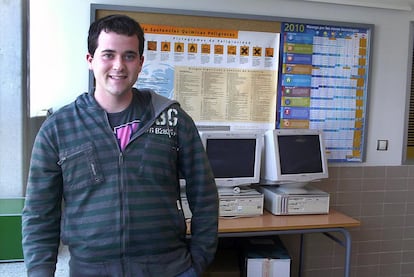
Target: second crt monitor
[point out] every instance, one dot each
(293, 157)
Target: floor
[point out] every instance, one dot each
(17, 269)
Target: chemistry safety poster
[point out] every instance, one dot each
(220, 77)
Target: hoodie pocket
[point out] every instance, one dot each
(80, 166)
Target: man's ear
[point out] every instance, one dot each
(89, 59)
(141, 63)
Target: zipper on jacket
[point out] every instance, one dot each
(74, 154)
(121, 190)
(122, 203)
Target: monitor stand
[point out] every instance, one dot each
(236, 189)
(294, 188)
(228, 190)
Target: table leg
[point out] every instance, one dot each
(347, 244)
(302, 237)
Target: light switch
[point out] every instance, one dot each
(382, 145)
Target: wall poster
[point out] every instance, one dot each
(220, 77)
(323, 84)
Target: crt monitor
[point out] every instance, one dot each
(293, 157)
(234, 156)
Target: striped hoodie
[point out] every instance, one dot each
(112, 205)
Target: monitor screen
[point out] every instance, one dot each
(234, 156)
(293, 157)
(299, 153)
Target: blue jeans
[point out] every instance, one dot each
(188, 273)
(115, 269)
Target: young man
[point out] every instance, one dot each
(104, 175)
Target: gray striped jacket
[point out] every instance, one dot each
(119, 205)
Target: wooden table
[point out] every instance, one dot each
(269, 224)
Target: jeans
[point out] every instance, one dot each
(114, 269)
(188, 273)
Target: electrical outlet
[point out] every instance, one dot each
(382, 145)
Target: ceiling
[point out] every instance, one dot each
(404, 5)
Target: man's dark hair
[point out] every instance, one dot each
(120, 24)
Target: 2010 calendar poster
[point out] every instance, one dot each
(323, 84)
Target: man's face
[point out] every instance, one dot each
(116, 63)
